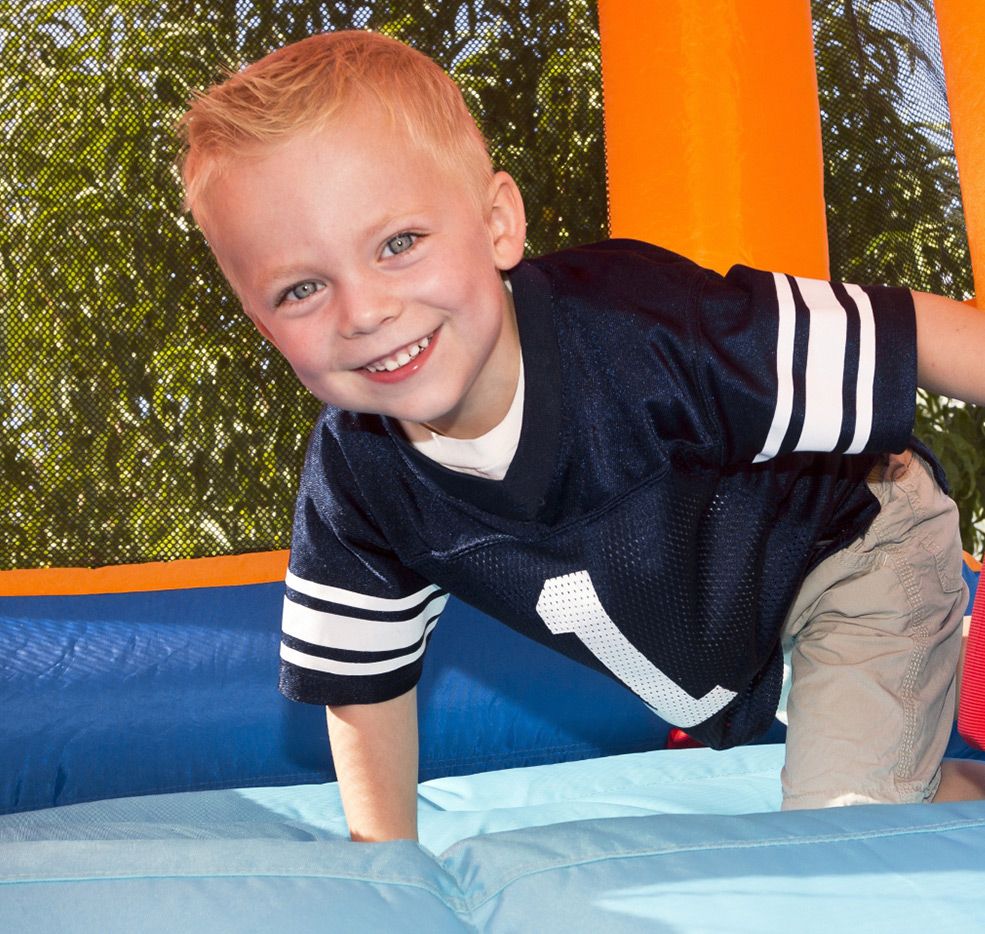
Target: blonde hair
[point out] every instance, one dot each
(308, 84)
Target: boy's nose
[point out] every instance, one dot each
(363, 309)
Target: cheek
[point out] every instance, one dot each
(299, 347)
(459, 275)
(468, 294)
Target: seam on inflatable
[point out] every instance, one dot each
(529, 870)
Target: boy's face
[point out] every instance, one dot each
(374, 273)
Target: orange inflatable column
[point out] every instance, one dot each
(961, 24)
(713, 138)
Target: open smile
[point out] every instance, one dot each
(403, 362)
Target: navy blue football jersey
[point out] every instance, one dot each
(692, 444)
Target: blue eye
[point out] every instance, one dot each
(301, 291)
(400, 243)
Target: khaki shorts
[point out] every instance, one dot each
(873, 639)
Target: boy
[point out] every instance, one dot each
(573, 444)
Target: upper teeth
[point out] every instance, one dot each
(400, 358)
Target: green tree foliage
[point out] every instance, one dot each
(143, 418)
(892, 193)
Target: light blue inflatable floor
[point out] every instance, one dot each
(684, 840)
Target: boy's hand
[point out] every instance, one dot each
(891, 467)
(374, 747)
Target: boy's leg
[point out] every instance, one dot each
(874, 637)
(961, 780)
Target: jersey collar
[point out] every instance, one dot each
(524, 493)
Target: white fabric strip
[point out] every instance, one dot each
(357, 600)
(331, 666)
(361, 635)
(865, 388)
(786, 327)
(489, 455)
(570, 604)
(823, 404)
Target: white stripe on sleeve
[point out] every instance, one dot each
(865, 388)
(330, 665)
(362, 635)
(356, 600)
(784, 369)
(823, 405)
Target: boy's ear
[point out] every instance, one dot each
(507, 221)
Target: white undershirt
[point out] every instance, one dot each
(489, 455)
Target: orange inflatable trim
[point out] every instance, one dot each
(227, 571)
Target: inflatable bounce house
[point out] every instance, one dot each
(151, 776)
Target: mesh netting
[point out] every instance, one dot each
(143, 418)
(891, 181)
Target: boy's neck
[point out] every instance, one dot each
(501, 389)
(467, 429)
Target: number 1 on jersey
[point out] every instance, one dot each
(570, 604)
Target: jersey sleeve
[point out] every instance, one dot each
(793, 364)
(356, 623)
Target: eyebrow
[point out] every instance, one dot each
(285, 273)
(269, 288)
(401, 221)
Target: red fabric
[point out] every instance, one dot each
(678, 739)
(971, 707)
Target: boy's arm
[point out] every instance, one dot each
(374, 747)
(950, 348)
